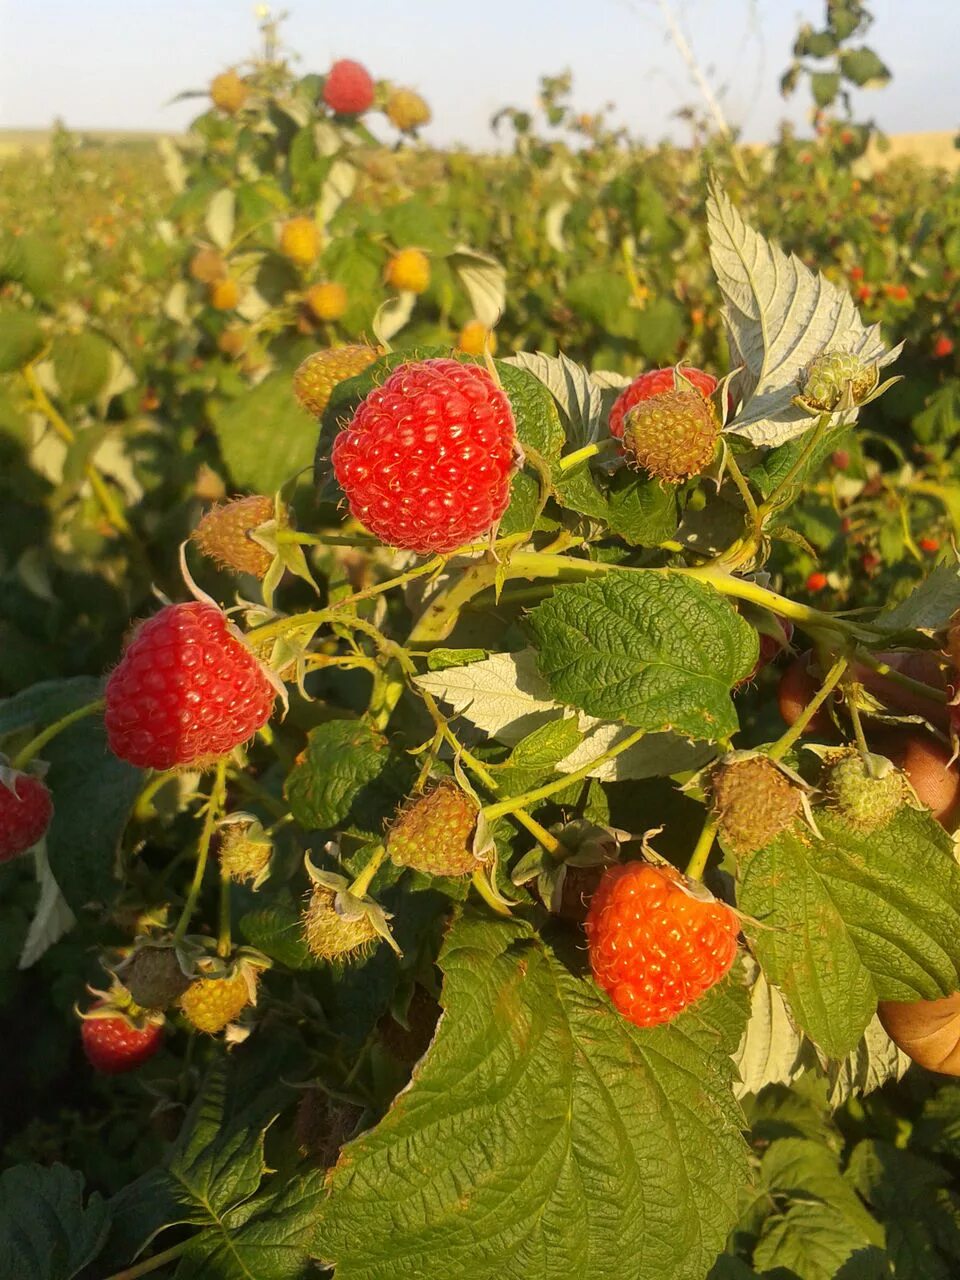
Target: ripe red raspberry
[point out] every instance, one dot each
(943, 347)
(348, 89)
(426, 462)
(816, 581)
(25, 811)
(930, 545)
(114, 1044)
(653, 947)
(186, 691)
(655, 383)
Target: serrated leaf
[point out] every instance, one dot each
(484, 281)
(221, 217)
(340, 759)
(542, 1136)
(778, 315)
(920, 1212)
(577, 395)
(264, 435)
(812, 1242)
(277, 931)
(268, 1238)
(659, 651)
(851, 919)
(864, 68)
(505, 697)
(876, 1061)
(46, 1231)
(771, 1050)
(52, 917)
(928, 607)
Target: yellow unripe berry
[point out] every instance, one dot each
(474, 336)
(224, 294)
(409, 271)
(229, 92)
(327, 301)
(406, 110)
(300, 241)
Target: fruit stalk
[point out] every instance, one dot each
(786, 741)
(214, 807)
(698, 859)
(36, 745)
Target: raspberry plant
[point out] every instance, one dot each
(549, 683)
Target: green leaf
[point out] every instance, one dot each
(803, 1168)
(341, 758)
(864, 68)
(264, 435)
(814, 44)
(542, 1137)
(483, 279)
(538, 428)
(21, 339)
(46, 1231)
(824, 85)
(443, 659)
(917, 1205)
(43, 703)
(778, 316)
(659, 651)
(852, 919)
(33, 260)
(277, 931)
(268, 1238)
(812, 1242)
(657, 330)
(93, 794)
(81, 363)
(604, 299)
(641, 510)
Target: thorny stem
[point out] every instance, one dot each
(36, 745)
(698, 859)
(362, 882)
(152, 1264)
(214, 806)
(512, 803)
(786, 741)
(67, 434)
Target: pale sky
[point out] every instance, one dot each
(115, 64)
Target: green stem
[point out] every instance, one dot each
(214, 806)
(740, 480)
(512, 803)
(36, 745)
(224, 940)
(152, 1264)
(771, 503)
(571, 460)
(324, 539)
(362, 882)
(539, 833)
(854, 711)
(907, 682)
(143, 809)
(698, 859)
(786, 741)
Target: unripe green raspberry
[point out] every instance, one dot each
(673, 436)
(865, 793)
(435, 832)
(754, 801)
(825, 379)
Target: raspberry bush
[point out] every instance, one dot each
(519, 843)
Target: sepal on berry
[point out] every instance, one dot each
(340, 923)
(245, 848)
(835, 381)
(586, 848)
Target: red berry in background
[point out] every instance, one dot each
(870, 562)
(856, 273)
(943, 347)
(840, 459)
(348, 88)
(930, 545)
(656, 383)
(113, 1045)
(426, 462)
(864, 293)
(816, 581)
(653, 947)
(186, 691)
(25, 811)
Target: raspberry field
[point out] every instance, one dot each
(478, 694)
